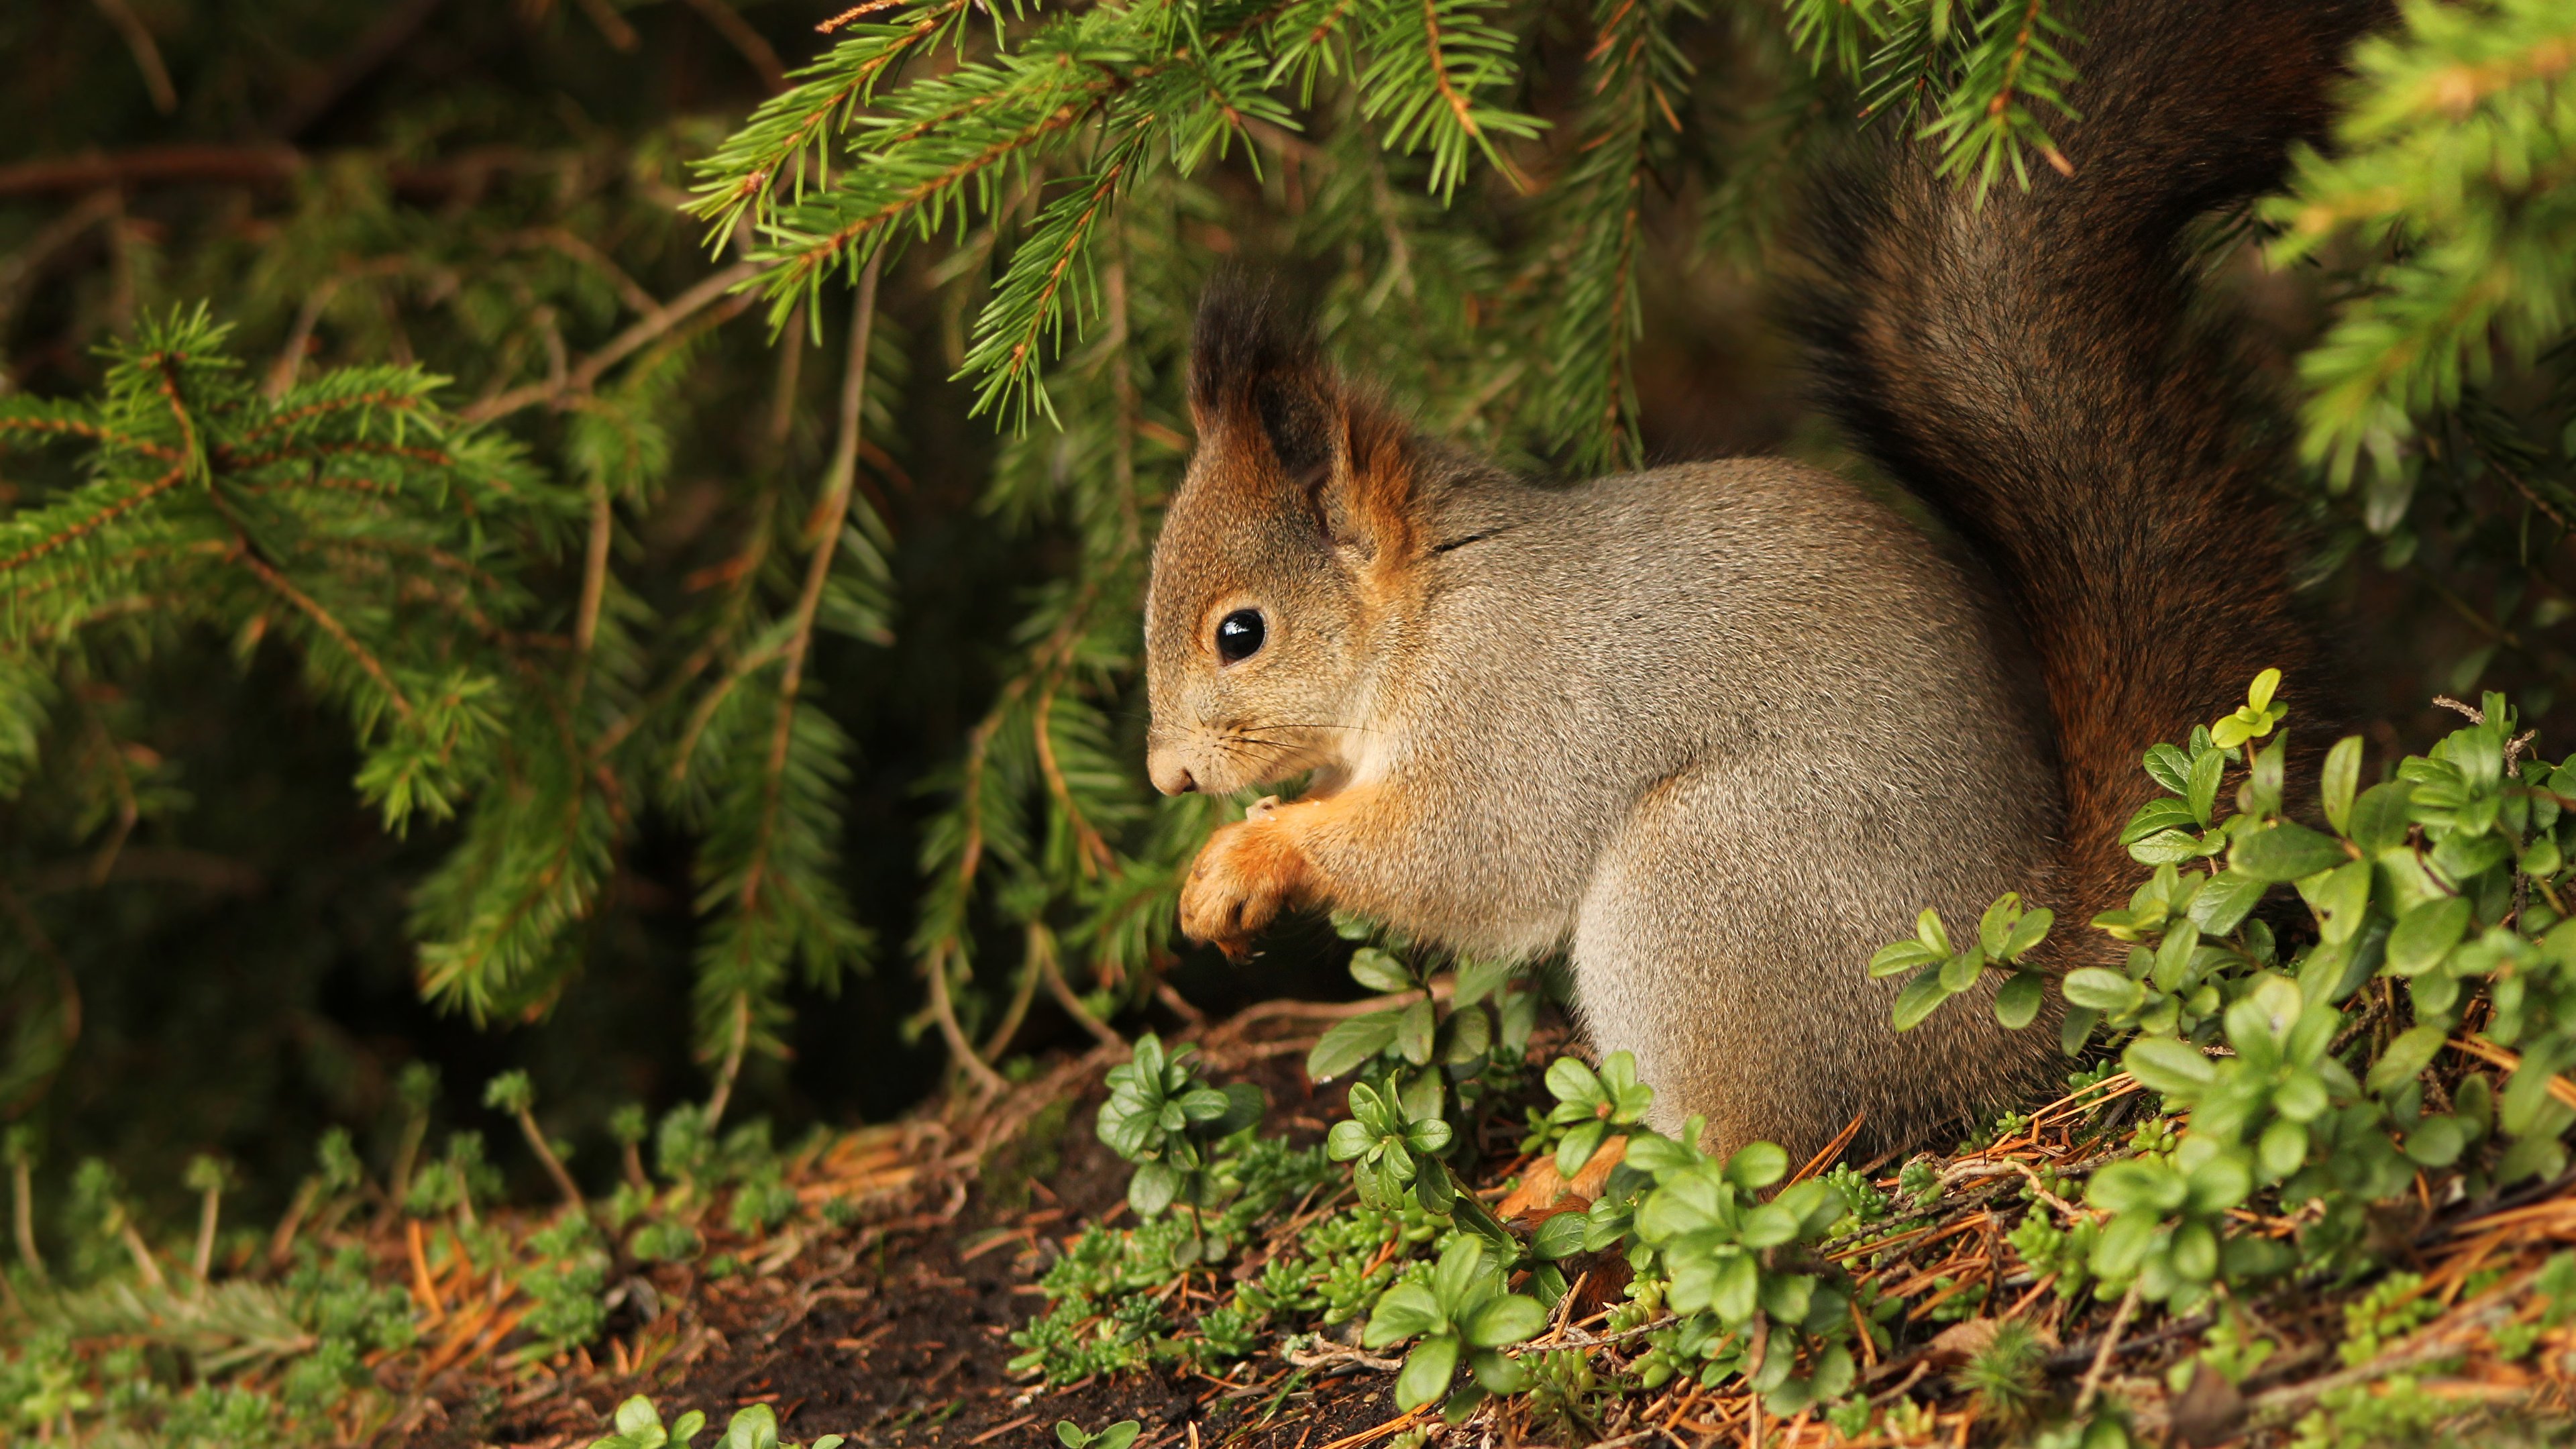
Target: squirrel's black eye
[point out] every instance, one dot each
(1239, 635)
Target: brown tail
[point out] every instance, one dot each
(2031, 369)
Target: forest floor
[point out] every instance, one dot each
(882, 1306)
(898, 1332)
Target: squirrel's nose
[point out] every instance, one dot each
(1168, 773)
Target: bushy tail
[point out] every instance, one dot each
(2031, 368)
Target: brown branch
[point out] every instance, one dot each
(382, 42)
(254, 164)
(1091, 851)
(163, 484)
(960, 1050)
(612, 26)
(380, 398)
(24, 264)
(749, 43)
(594, 586)
(2110, 1343)
(1051, 967)
(2487, 1051)
(1440, 71)
(322, 617)
(147, 53)
(999, 1039)
(709, 292)
(830, 514)
(728, 1073)
(299, 338)
(74, 427)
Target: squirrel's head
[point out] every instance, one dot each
(1284, 557)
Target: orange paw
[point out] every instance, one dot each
(1245, 876)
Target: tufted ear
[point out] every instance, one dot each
(1274, 419)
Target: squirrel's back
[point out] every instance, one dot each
(1800, 720)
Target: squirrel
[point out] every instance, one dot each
(1718, 731)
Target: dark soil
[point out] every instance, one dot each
(901, 1337)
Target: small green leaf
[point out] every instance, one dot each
(1919, 999)
(1570, 1080)
(2258, 696)
(1560, 1236)
(2027, 932)
(1757, 1165)
(1478, 979)
(1900, 957)
(2168, 847)
(2164, 1064)
(1378, 971)
(2205, 775)
(2282, 1150)
(1465, 1036)
(1928, 930)
(2100, 989)
(2284, 851)
(2160, 815)
(2426, 934)
(1404, 1311)
(2195, 1253)
(1350, 1043)
(1732, 1295)
(2017, 1003)
(2379, 817)
(1427, 1371)
(2170, 767)
(1153, 1188)
(2404, 1058)
(1413, 1032)
(1995, 927)
(2225, 900)
(1509, 1319)
(1767, 1226)
(2134, 1186)
(1579, 1143)
(2342, 778)
(1498, 1373)
(2436, 1141)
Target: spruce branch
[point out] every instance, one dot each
(768, 859)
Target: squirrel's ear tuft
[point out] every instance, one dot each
(1254, 361)
(1263, 398)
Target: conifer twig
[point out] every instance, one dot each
(711, 291)
(749, 43)
(1051, 966)
(22, 1218)
(731, 1070)
(146, 51)
(944, 1011)
(2110, 1345)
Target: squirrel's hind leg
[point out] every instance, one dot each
(1729, 956)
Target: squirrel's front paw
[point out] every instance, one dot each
(1245, 876)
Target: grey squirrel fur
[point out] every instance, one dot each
(1718, 731)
